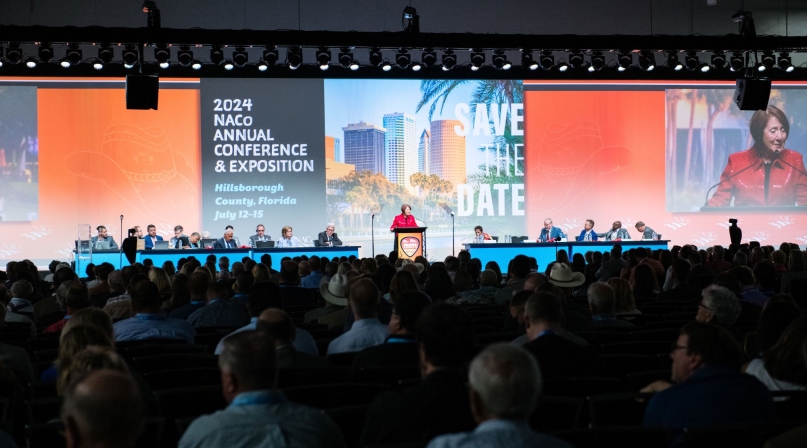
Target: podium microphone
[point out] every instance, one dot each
(706, 203)
(778, 153)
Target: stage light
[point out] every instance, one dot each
(647, 60)
(185, 56)
(416, 66)
(547, 61)
(294, 57)
(718, 60)
(45, 53)
(228, 64)
(692, 61)
(477, 59)
(216, 54)
(97, 64)
(429, 57)
(563, 66)
(72, 56)
(624, 60)
(785, 63)
(346, 59)
(673, 62)
(106, 53)
(269, 58)
(129, 56)
(14, 53)
(30, 63)
(376, 57)
(196, 64)
(449, 60)
(240, 57)
(162, 54)
(499, 60)
(528, 61)
(386, 66)
(737, 61)
(597, 61)
(403, 59)
(577, 59)
(323, 56)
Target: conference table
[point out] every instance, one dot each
(546, 253)
(158, 257)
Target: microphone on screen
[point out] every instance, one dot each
(778, 152)
(725, 180)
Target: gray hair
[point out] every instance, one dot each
(329, 225)
(507, 380)
(548, 220)
(722, 303)
(228, 232)
(196, 234)
(21, 289)
(740, 259)
(601, 297)
(115, 280)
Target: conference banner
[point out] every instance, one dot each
(502, 154)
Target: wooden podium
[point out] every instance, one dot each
(410, 242)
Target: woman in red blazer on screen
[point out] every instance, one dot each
(767, 173)
(405, 219)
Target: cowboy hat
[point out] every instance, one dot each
(334, 291)
(420, 266)
(563, 276)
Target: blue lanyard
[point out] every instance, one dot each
(197, 302)
(400, 341)
(142, 316)
(544, 333)
(255, 399)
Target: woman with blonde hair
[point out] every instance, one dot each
(71, 342)
(623, 293)
(94, 317)
(261, 273)
(159, 277)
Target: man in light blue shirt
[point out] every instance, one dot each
(218, 312)
(366, 331)
(311, 281)
(505, 384)
(258, 416)
(150, 322)
(264, 296)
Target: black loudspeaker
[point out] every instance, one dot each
(752, 94)
(142, 91)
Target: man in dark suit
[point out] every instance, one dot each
(556, 355)
(680, 290)
(152, 237)
(613, 267)
(226, 242)
(440, 404)
(277, 325)
(400, 348)
(329, 237)
(260, 235)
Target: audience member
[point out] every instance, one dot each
(290, 290)
(439, 285)
(612, 267)
(699, 276)
(366, 331)
(243, 284)
(601, 303)
(775, 317)
(556, 354)
(5, 298)
(16, 358)
(643, 257)
(150, 322)
(505, 385)
(519, 270)
(93, 357)
(764, 280)
(679, 290)
(707, 389)
(218, 312)
(400, 348)
(102, 409)
(257, 415)
(644, 282)
(718, 264)
(333, 293)
(101, 288)
(21, 292)
(72, 297)
(623, 296)
(197, 287)
(262, 297)
(76, 339)
(782, 368)
(277, 324)
(719, 306)
(439, 404)
(312, 280)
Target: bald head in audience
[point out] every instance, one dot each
(102, 409)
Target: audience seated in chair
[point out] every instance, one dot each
(718, 306)
(559, 353)
(613, 266)
(366, 330)
(707, 389)
(257, 415)
(15, 358)
(73, 297)
(782, 368)
(400, 348)
(197, 285)
(218, 312)
(679, 290)
(277, 325)
(102, 409)
(505, 385)
(150, 322)
(602, 303)
(518, 272)
(243, 284)
(439, 404)
(262, 297)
